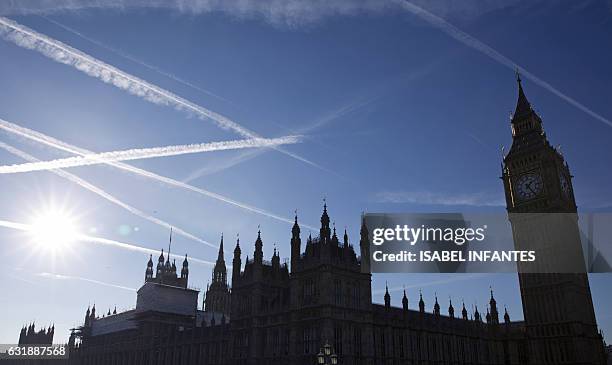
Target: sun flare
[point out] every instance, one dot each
(53, 230)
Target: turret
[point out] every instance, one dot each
(421, 303)
(387, 297)
(494, 312)
(477, 315)
(345, 243)
(258, 255)
(236, 262)
(464, 313)
(296, 244)
(275, 259)
(451, 310)
(217, 296)
(160, 264)
(436, 309)
(220, 271)
(325, 231)
(149, 271)
(506, 316)
(185, 270)
(334, 239)
(87, 317)
(405, 301)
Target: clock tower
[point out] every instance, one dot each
(557, 306)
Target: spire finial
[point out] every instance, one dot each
(518, 75)
(170, 243)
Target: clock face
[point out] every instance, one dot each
(529, 186)
(563, 182)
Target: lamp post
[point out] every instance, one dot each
(327, 356)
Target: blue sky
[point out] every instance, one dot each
(398, 115)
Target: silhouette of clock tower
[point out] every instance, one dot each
(557, 305)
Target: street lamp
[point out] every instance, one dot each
(326, 356)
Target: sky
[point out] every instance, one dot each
(398, 112)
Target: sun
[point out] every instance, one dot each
(53, 230)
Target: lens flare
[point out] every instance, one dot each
(53, 230)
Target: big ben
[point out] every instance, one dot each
(557, 305)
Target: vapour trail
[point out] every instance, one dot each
(96, 190)
(79, 278)
(208, 170)
(103, 241)
(55, 143)
(63, 53)
(129, 57)
(481, 47)
(143, 153)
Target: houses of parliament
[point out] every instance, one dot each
(273, 312)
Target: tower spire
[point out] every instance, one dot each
(523, 107)
(236, 263)
(220, 255)
(258, 256)
(325, 232)
(387, 296)
(170, 243)
(421, 302)
(436, 305)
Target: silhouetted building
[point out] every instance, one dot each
(281, 314)
(29, 336)
(217, 296)
(558, 309)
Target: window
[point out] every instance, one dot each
(338, 339)
(338, 291)
(356, 295)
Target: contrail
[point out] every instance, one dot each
(103, 241)
(63, 53)
(93, 281)
(207, 170)
(96, 190)
(55, 143)
(474, 43)
(143, 153)
(134, 59)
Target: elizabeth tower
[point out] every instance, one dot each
(557, 306)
